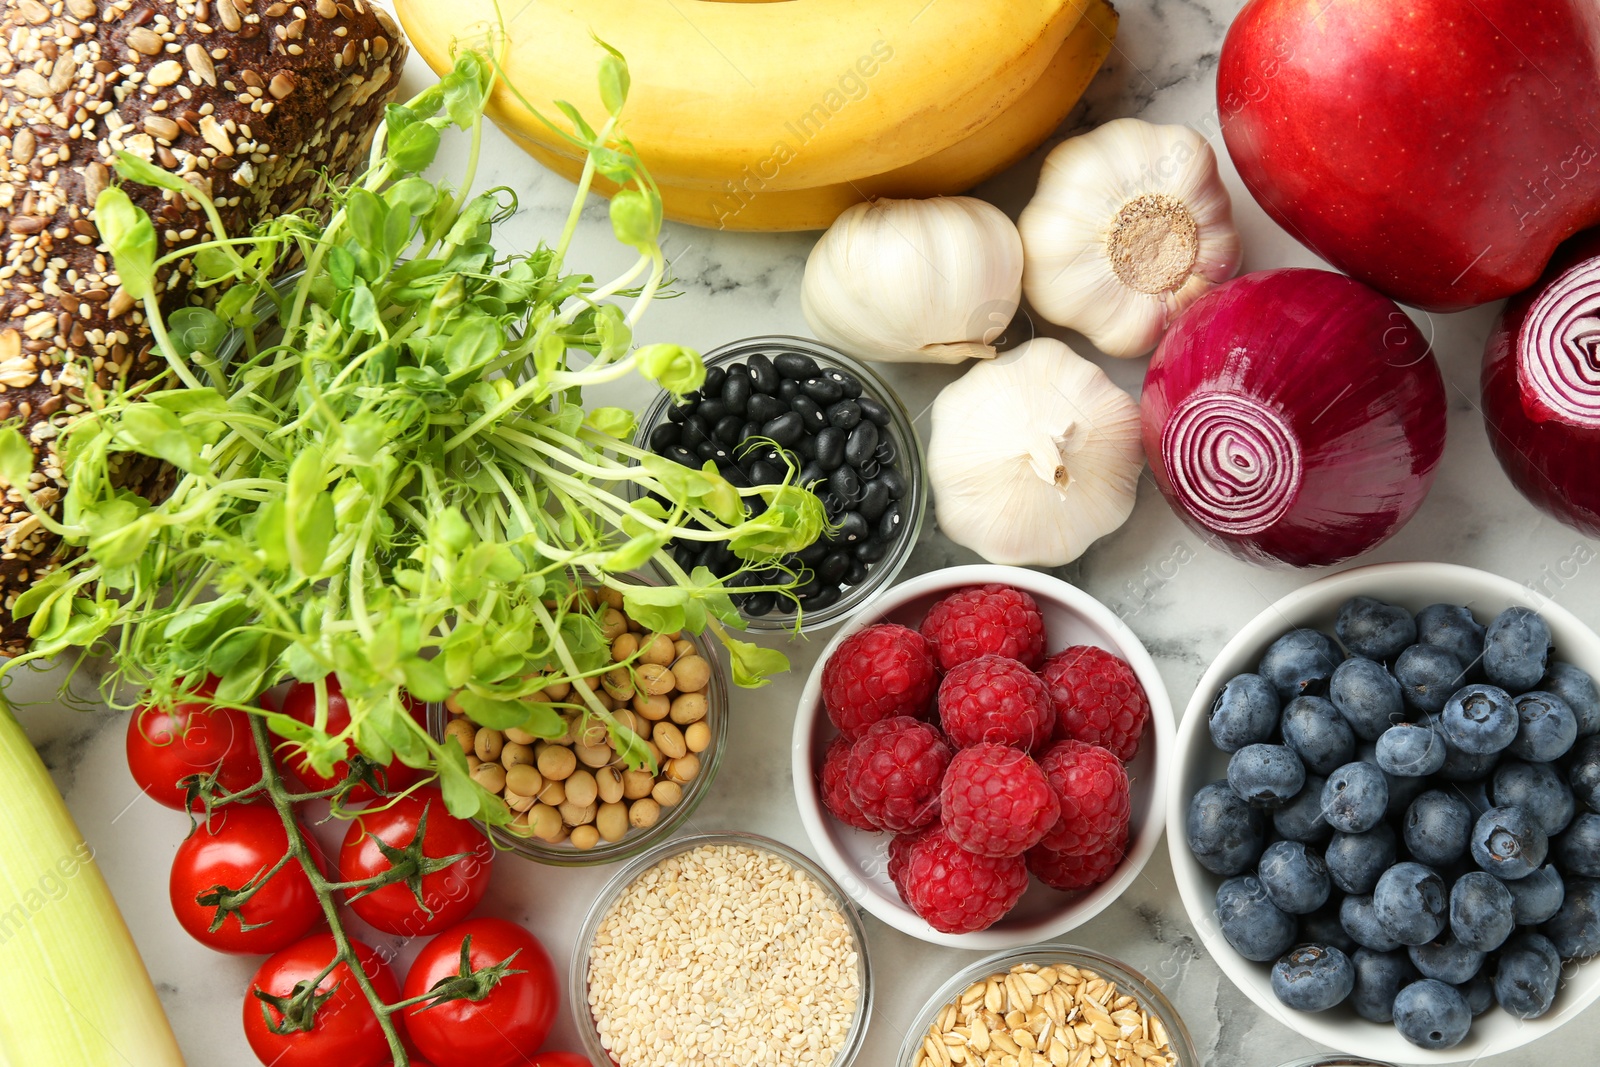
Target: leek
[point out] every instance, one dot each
(73, 990)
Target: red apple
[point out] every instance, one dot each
(1438, 150)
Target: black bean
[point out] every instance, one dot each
(811, 473)
(852, 528)
(856, 574)
(679, 454)
(823, 390)
(736, 390)
(712, 411)
(687, 553)
(833, 566)
(763, 375)
(895, 481)
(764, 473)
(712, 451)
(785, 429)
(874, 500)
(863, 439)
(733, 474)
(764, 408)
(807, 448)
(692, 398)
(848, 383)
(826, 597)
(846, 483)
(846, 415)
(715, 377)
(788, 389)
(807, 590)
(868, 470)
(889, 525)
(695, 432)
(811, 556)
(727, 430)
(886, 452)
(873, 411)
(830, 447)
(832, 503)
(718, 557)
(664, 435)
(758, 604)
(793, 365)
(679, 412)
(816, 421)
(748, 430)
(870, 551)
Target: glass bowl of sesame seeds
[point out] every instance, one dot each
(1050, 1004)
(722, 950)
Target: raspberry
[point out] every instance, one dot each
(985, 620)
(881, 672)
(835, 790)
(995, 801)
(997, 700)
(1092, 788)
(958, 891)
(894, 771)
(1061, 871)
(1097, 699)
(900, 854)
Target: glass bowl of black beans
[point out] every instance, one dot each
(845, 431)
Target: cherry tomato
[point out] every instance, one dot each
(240, 843)
(194, 737)
(344, 1032)
(559, 1059)
(497, 1030)
(449, 894)
(300, 702)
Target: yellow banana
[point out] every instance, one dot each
(836, 88)
(750, 205)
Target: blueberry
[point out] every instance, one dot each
(1507, 843)
(1583, 772)
(1577, 688)
(1482, 912)
(1410, 902)
(1266, 775)
(1462, 766)
(1322, 927)
(1536, 898)
(1225, 833)
(1479, 993)
(1367, 696)
(1479, 720)
(1475, 793)
(1575, 927)
(1295, 877)
(1301, 818)
(1527, 975)
(1379, 976)
(1255, 927)
(1427, 676)
(1356, 861)
(1402, 790)
(1515, 649)
(1432, 1015)
(1360, 921)
(1410, 750)
(1437, 828)
(1546, 727)
(1318, 734)
(1244, 713)
(1374, 629)
(1538, 789)
(1578, 850)
(1355, 798)
(1447, 959)
(1313, 978)
(1300, 663)
(1452, 628)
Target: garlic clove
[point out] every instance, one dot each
(1130, 225)
(1033, 456)
(927, 281)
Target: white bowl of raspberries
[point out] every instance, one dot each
(979, 757)
(1385, 813)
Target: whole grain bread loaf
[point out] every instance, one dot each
(254, 101)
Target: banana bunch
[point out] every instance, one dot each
(779, 115)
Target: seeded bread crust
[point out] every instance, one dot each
(250, 100)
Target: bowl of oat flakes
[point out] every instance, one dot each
(1050, 1004)
(722, 950)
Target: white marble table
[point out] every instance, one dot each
(737, 285)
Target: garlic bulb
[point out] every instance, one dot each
(1033, 456)
(915, 281)
(1129, 226)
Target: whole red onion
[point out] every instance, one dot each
(1294, 416)
(1541, 387)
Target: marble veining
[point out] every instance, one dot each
(1182, 598)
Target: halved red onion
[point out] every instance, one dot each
(1294, 416)
(1541, 387)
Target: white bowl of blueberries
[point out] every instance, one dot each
(1386, 825)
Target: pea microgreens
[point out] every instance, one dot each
(392, 475)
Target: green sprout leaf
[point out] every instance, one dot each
(131, 236)
(677, 369)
